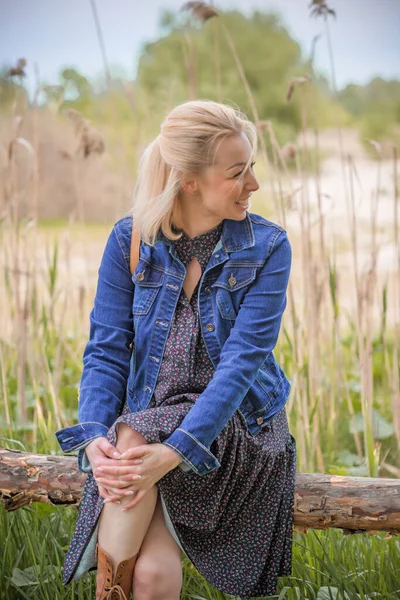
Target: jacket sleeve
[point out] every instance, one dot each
(253, 336)
(106, 356)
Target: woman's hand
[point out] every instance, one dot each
(101, 453)
(157, 460)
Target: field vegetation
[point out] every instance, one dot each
(328, 169)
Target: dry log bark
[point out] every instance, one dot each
(354, 504)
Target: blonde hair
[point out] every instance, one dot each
(187, 143)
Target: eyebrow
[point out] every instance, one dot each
(235, 165)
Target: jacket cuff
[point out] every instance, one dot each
(184, 466)
(78, 436)
(199, 458)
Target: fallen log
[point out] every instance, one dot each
(354, 504)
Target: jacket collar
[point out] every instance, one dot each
(235, 235)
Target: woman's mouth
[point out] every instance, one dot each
(244, 203)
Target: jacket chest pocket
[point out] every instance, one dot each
(231, 287)
(148, 283)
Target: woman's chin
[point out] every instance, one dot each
(241, 211)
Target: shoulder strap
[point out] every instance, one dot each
(135, 247)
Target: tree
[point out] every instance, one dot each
(270, 57)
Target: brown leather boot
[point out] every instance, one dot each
(110, 585)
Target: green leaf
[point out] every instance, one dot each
(349, 459)
(383, 428)
(331, 593)
(30, 576)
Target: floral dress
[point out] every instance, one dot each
(235, 523)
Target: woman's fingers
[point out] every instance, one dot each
(117, 471)
(136, 499)
(108, 497)
(121, 493)
(115, 483)
(136, 452)
(113, 499)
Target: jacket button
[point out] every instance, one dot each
(210, 327)
(232, 280)
(207, 289)
(140, 276)
(260, 420)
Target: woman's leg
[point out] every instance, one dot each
(121, 533)
(158, 570)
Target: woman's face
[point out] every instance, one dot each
(224, 184)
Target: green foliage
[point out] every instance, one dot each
(11, 91)
(270, 57)
(326, 564)
(361, 100)
(376, 109)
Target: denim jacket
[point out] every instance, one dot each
(241, 299)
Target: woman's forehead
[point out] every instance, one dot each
(233, 151)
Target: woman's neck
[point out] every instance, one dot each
(191, 222)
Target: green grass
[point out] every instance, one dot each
(34, 540)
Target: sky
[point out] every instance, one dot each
(56, 33)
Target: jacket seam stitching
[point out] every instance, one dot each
(197, 442)
(183, 456)
(120, 244)
(82, 424)
(268, 224)
(274, 391)
(83, 444)
(278, 233)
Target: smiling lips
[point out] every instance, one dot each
(244, 202)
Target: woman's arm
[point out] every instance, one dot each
(106, 357)
(251, 339)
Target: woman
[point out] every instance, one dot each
(200, 391)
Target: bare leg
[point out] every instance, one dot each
(121, 533)
(158, 570)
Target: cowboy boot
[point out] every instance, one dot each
(112, 585)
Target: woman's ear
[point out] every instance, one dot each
(189, 185)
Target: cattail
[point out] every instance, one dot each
(295, 82)
(319, 8)
(90, 140)
(377, 146)
(17, 71)
(200, 10)
(289, 150)
(263, 125)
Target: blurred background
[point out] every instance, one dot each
(124, 64)
(84, 86)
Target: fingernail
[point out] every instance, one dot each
(123, 509)
(116, 455)
(137, 461)
(99, 469)
(129, 493)
(136, 477)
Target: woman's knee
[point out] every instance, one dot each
(155, 579)
(128, 437)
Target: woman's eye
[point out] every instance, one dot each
(240, 172)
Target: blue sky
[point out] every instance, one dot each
(57, 33)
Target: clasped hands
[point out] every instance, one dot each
(131, 473)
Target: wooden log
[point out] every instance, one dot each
(354, 504)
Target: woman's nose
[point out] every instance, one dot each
(252, 185)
